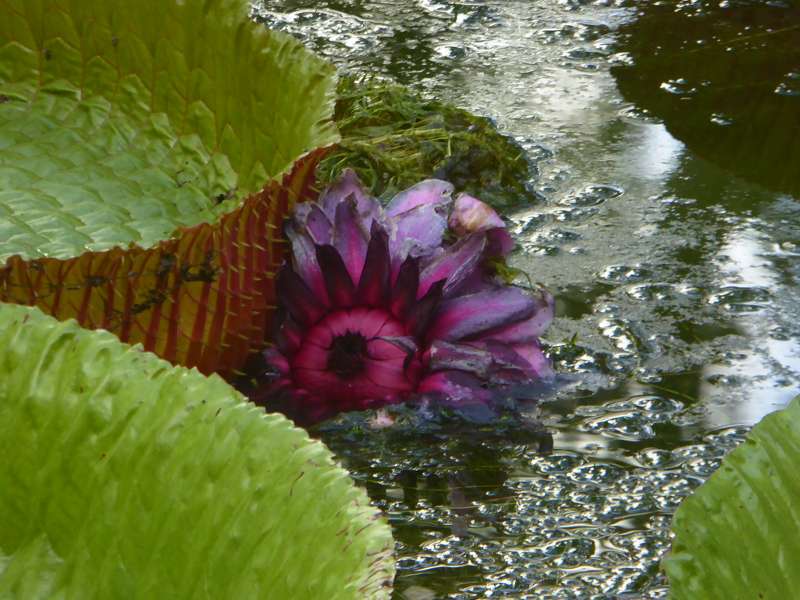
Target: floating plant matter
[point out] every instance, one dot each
(377, 308)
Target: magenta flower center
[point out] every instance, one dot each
(347, 354)
(352, 358)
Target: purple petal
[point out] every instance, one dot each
(348, 185)
(499, 242)
(454, 265)
(319, 226)
(296, 297)
(532, 353)
(304, 255)
(373, 287)
(495, 363)
(469, 316)
(341, 290)
(423, 312)
(455, 387)
(431, 191)
(404, 292)
(277, 361)
(289, 336)
(531, 328)
(417, 232)
(350, 238)
(508, 366)
(443, 356)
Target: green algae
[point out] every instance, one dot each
(393, 137)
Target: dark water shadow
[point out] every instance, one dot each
(725, 79)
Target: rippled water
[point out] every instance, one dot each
(677, 287)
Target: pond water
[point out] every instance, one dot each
(676, 273)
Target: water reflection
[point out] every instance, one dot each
(725, 77)
(656, 155)
(676, 287)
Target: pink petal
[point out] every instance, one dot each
(454, 265)
(311, 357)
(469, 316)
(354, 393)
(389, 374)
(321, 334)
(531, 328)
(350, 238)
(391, 348)
(470, 215)
(406, 343)
(369, 322)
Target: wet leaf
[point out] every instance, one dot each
(124, 477)
(136, 139)
(738, 535)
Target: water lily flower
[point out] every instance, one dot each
(376, 309)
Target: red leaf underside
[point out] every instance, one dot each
(203, 298)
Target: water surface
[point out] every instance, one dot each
(675, 269)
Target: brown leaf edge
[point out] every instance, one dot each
(203, 298)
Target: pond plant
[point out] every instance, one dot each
(149, 155)
(393, 137)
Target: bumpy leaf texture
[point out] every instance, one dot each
(124, 477)
(738, 535)
(136, 138)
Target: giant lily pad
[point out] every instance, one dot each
(738, 535)
(135, 140)
(124, 477)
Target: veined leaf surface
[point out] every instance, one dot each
(124, 477)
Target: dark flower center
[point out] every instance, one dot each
(346, 354)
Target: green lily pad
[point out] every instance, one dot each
(124, 477)
(149, 152)
(738, 535)
(122, 121)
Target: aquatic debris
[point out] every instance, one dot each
(393, 137)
